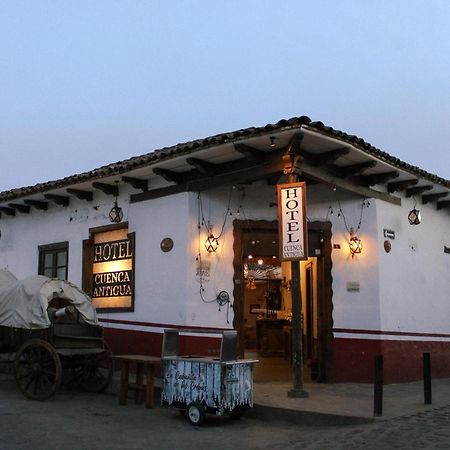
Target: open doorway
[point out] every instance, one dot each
(263, 304)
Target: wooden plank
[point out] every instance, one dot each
(137, 183)
(43, 206)
(82, 195)
(433, 197)
(61, 200)
(346, 185)
(108, 189)
(401, 185)
(21, 208)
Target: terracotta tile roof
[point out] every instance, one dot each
(166, 153)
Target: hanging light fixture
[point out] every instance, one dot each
(211, 243)
(355, 243)
(116, 213)
(260, 261)
(414, 217)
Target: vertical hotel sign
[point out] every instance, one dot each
(113, 270)
(292, 221)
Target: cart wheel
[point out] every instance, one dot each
(196, 413)
(37, 369)
(96, 372)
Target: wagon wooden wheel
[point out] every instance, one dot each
(37, 369)
(96, 371)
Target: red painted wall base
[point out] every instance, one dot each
(355, 359)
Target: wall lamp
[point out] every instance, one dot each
(211, 243)
(414, 217)
(355, 243)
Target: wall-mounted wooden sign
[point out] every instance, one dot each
(112, 276)
(292, 221)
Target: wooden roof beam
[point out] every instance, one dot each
(8, 211)
(21, 208)
(354, 169)
(433, 197)
(42, 206)
(378, 178)
(204, 167)
(137, 183)
(82, 195)
(442, 205)
(250, 153)
(294, 146)
(61, 200)
(418, 190)
(169, 175)
(108, 189)
(401, 185)
(325, 158)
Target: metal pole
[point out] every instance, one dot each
(297, 332)
(378, 387)
(427, 378)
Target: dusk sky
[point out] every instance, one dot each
(87, 83)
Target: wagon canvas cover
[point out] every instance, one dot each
(24, 303)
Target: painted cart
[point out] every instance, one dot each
(197, 385)
(50, 328)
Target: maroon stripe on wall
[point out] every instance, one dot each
(402, 359)
(124, 341)
(389, 333)
(161, 325)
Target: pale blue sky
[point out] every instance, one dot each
(86, 83)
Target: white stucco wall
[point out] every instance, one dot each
(415, 275)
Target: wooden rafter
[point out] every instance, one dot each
(38, 204)
(325, 158)
(377, 178)
(433, 197)
(108, 189)
(82, 195)
(355, 169)
(204, 167)
(294, 146)
(137, 183)
(21, 208)
(250, 153)
(8, 211)
(401, 185)
(61, 200)
(443, 204)
(169, 175)
(418, 190)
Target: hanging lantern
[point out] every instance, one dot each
(355, 244)
(414, 217)
(116, 213)
(211, 243)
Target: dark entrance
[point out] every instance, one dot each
(263, 303)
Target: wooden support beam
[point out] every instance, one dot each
(108, 189)
(401, 185)
(204, 167)
(322, 159)
(250, 153)
(354, 169)
(137, 183)
(418, 190)
(21, 208)
(433, 197)
(82, 195)
(42, 206)
(158, 193)
(442, 205)
(8, 211)
(294, 146)
(169, 175)
(320, 175)
(61, 200)
(377, 178)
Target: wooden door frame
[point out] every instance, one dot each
(326, 369)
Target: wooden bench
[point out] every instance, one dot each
(144, 364)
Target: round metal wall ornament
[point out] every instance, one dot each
(166, 244)
(387, 246)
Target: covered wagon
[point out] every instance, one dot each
(50, 327)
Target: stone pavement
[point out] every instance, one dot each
(345, 403)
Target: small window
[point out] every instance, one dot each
(53, 259)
